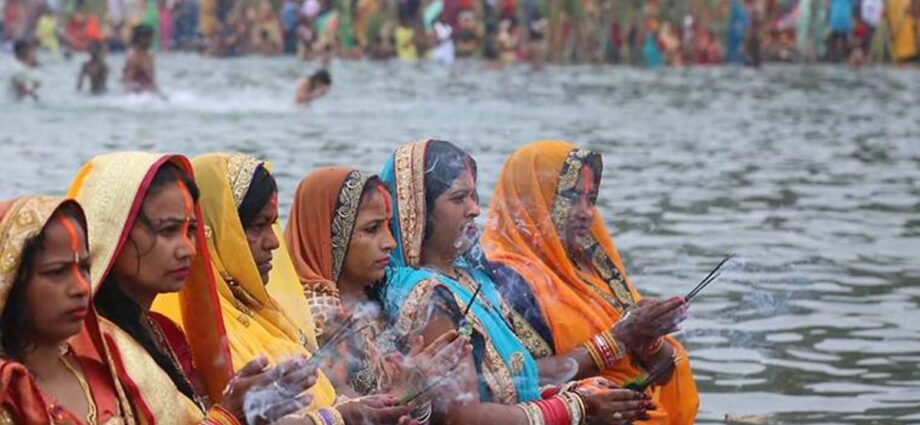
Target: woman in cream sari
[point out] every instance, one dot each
(143, 216)
(52, 370)
(545, 233)
(263, 306)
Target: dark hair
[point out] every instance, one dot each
(322, 77)
(139, 32)
(15, 334)
(371, 185)
(260, 192)
(20, 47)
(444, 162)
(113, 304)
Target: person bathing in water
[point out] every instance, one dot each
(315, 87)
(138, 74)
(95, 69)
(24, 82)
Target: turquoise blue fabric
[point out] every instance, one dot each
(402, 279)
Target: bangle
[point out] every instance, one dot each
(618, 350)
(592, 351)
(326, 417)
(220, 415)
(534, 416)
(549, 391)
(554, 410)
(651, 350)
(575, 406)
(422, 414)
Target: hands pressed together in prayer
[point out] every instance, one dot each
(608, 404)
(262, 394)
(642, 328)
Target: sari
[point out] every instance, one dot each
(903, 26)
(273, 320)
(318, 232)
(508, 372)
(527, 208)
(21, 399)
(112, 189)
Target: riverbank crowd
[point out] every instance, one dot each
(162, 289)
(651, 33)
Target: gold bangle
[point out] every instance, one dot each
(618, 350)
(317, 420)
(534, 415)
(592, 351)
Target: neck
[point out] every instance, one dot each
(142, 298)
(439, 261)
(44, 360)
(351, 294)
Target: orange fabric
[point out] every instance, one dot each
(20, 396)
(308, 233)
(520, 233)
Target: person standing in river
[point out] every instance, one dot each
(138, 73)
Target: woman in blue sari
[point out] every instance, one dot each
(430, 287)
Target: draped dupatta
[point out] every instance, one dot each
(112, 189)
(527, 213)
(21, 400)
(273, 320)
(508, 370)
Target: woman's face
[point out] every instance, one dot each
(260, 234)
(453, 215)
(582, 201)
(158, 255)
(371, 241)
(57, 294)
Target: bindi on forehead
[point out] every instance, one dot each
(387, 202)
(75, 249)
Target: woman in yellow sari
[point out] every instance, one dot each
(544, 227)
(261, 300)
(142, 213)
(52, 370)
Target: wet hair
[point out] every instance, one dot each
(322, 77)
(15, 332)
(260, 192)
(21, 47)
(113, 304)
(444, 162)
(140, 32)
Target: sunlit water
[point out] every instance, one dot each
(809, 174)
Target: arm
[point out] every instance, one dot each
(467, 408)
(81, 77)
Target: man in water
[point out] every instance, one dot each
(313, 88)
(95, 69)
(138, 75)
(24, 83)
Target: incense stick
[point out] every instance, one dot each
(711, 277)
(642, 384)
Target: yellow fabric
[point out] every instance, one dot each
(111, 189)
(263, 326)
(903, 29)
(521, 233)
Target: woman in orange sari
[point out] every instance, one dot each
(545, 230)
(52, 370)
(340, 242)
(146, 242)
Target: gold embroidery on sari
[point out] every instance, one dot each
(240, 171)
(410, 183)
(529, 336)
(607, 270)
(25, 219)
(343, 220)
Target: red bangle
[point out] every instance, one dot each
(549, 391)
(554, 411)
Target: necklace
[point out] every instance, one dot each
(84, 386)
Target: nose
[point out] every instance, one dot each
(79, 287)
(271, 242)
(388, 241)
(187, 248)
(472, 207)
(583, 210)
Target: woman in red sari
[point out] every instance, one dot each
(52, 370)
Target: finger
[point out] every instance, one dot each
(417, 345)
(254, 367)
(442, 341)
(407, 420)
(298, 382)
(664, 307)
(621, 395)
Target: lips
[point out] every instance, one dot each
(78, 313)
(265, 266)
(383, 262)
(181, 273)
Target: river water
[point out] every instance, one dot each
(811, 175)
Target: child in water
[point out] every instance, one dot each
(24, 83)
(315, 87)
(138, 75)
(95, 69)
